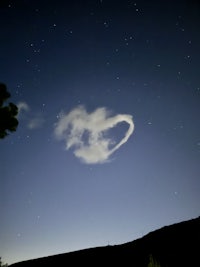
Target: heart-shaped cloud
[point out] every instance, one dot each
(78, 124)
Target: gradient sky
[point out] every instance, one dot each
(139, 58)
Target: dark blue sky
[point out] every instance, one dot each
(138, 58)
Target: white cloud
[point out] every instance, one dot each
(22, 106)
(32, 120)
(86, 133)
(35, 123)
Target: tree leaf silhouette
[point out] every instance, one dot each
(8, 120)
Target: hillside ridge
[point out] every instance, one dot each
(172, 246)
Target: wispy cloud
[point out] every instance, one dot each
(32, 120)
(86, 133)
(22, 106)
(35, 123)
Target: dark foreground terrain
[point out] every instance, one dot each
(177, 245)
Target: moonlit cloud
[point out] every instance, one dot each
(86, 133)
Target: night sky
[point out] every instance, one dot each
(108, 143)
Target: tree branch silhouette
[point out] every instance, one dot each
(8, 120)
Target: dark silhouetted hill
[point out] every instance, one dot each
(177, 245)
